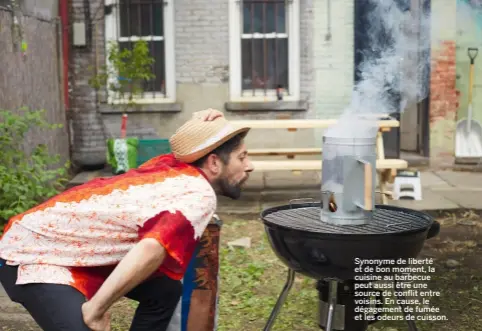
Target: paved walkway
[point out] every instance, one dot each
(13, 317)
(442, 190)
(446, 190)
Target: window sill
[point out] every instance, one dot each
(153, 108)
(266, 106)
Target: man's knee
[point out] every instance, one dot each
(164, 293)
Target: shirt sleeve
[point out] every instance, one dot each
(179, 229)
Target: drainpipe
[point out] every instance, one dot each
(64, 18)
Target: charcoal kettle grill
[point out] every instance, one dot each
(321, 240)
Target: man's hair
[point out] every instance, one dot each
(224, 151)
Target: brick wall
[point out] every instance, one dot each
(333, 60)
(202, 73)
(443, 94)
(308, 30)
(88, 133)
(333, 57)
(202, 41)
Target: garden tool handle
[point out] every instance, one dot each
(473, 55)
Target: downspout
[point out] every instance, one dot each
(64, 18)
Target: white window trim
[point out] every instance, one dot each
(169, 50)
(235, 65)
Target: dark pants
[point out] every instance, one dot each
(58, 307)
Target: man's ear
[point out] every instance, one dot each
(213, 164)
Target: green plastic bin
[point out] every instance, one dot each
(149, 148)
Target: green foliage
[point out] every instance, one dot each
(126, 71)
(26, 179)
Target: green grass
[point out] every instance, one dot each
(251, 281)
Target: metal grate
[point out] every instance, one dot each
(264, 47)
(384, 221)
(144, 20)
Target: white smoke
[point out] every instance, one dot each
(398, 59)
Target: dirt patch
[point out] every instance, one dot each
(457, 255)
(17, 322)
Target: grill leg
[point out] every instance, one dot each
(411, 324)
(332, 296)
(281, 300)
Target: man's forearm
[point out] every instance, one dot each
(133, 269)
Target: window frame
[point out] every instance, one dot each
(235, 62)
(111, 25)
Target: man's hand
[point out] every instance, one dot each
(209, 114)
(141, 261)
(93, 319)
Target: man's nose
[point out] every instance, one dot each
(249, 166)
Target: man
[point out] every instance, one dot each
(69, 259)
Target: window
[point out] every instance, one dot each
(152, 21)
(264, 49)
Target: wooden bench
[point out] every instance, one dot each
(290, 153)
(316, 165)
(386, 168)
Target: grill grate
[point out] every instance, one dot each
(384, 221)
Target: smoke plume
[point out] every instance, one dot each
(393, 70)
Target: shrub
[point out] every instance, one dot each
(26, 179)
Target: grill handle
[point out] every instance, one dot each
(367, 185)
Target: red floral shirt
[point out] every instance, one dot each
(79, 236)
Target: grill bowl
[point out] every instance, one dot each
(319, 250)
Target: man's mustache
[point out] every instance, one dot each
(244, 179)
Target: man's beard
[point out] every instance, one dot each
(229, 190)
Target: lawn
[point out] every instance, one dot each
(252, 278)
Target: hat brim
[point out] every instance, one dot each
(192, 157)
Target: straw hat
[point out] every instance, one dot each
(196, 138)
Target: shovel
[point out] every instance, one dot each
(469, 131)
